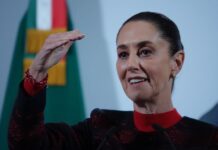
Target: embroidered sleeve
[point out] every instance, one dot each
(31, 86)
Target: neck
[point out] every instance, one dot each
(152, 107)
(159, 102)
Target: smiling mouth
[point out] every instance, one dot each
(137, 80)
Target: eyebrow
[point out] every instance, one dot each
(139, 44)
(143, 43)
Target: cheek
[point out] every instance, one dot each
(162, 73)
(121, 67)
(158, 71)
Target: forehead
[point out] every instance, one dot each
(135, 31)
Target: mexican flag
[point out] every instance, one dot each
(64, 92)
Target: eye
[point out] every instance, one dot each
(123, 55)
(144, 52)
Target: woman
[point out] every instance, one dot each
(150, 55)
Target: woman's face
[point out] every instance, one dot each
(144, 66)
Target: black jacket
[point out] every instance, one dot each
(105, 129)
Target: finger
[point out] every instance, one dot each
(76, 35)
(58, 48)
(71, 35)
(68, 45)
(53, 44)
(62, 50)
(57, 43)
(79, 37)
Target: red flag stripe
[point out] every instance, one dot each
(59, 14)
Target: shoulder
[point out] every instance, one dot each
(200, 130)
(198, 125)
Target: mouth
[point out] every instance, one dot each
(135, 80)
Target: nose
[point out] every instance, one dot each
(133, 63)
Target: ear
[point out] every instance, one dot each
(177, 62)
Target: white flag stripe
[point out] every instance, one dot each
(44, 14)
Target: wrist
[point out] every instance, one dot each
(32, 86)
(37, 75)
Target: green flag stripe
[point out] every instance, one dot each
(31, 15)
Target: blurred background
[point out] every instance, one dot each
(196, 87)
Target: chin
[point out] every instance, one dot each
(137, 98)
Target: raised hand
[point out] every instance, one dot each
(53, 50)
